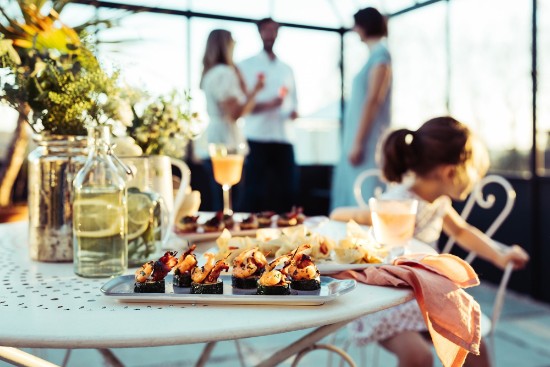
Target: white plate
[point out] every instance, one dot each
(310, 222)
(327, 267)
(122, 289)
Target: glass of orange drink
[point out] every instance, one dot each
(227, 164)
(393, 223)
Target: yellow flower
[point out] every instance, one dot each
(6, 48)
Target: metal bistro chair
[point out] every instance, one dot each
(368, 176)
(475, 199)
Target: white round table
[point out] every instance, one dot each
(45, 305)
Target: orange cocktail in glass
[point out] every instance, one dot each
(227, 164)
(228, 169)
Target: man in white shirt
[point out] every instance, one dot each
(270, 172)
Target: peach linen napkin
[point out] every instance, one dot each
(451, 315)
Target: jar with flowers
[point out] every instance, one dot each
(51, 75)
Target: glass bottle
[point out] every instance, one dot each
(99, 212)
(147, 213)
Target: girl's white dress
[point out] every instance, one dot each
(384, 324)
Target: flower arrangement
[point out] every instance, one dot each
(165, 126)
(51, 69)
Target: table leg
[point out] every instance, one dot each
(18, 357)
(110, 357)
(205, 354)
(305, 342)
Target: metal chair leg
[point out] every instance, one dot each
(330, 348)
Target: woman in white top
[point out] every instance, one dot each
(226, 98)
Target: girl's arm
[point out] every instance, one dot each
(472, 239)
(345, 214)
(379, 82)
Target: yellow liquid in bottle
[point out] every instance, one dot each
(99, 230)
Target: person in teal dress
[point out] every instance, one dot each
(367, 113)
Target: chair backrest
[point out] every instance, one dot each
(372, 176)
(486, 202)
(477, 197)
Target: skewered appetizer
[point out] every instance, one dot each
(150, 277)
(302, 271)
(250, 222)
(247, 268)
(292, 218)
(188, 224)
(186, 263)
(264, 218)
(273, 281)
(214, 224)
(205, 278)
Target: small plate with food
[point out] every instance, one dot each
(209, 226)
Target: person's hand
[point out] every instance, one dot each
(293, 115)
(356, 155)
(516, 255)
(260, 82)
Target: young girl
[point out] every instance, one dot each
(440, 161)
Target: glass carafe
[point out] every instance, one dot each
(147, 214)
(100, 212)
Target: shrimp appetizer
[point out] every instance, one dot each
(150, 277)
(274, 281)
(205, 278)
(303, 273)
(247, 268)
(186, 263)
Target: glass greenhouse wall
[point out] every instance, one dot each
(458, 57)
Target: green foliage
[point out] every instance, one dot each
(56, 74)
(165, 126)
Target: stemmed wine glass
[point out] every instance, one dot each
(227, 164)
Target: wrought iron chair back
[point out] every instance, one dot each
(478, 198)
(373, 174)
